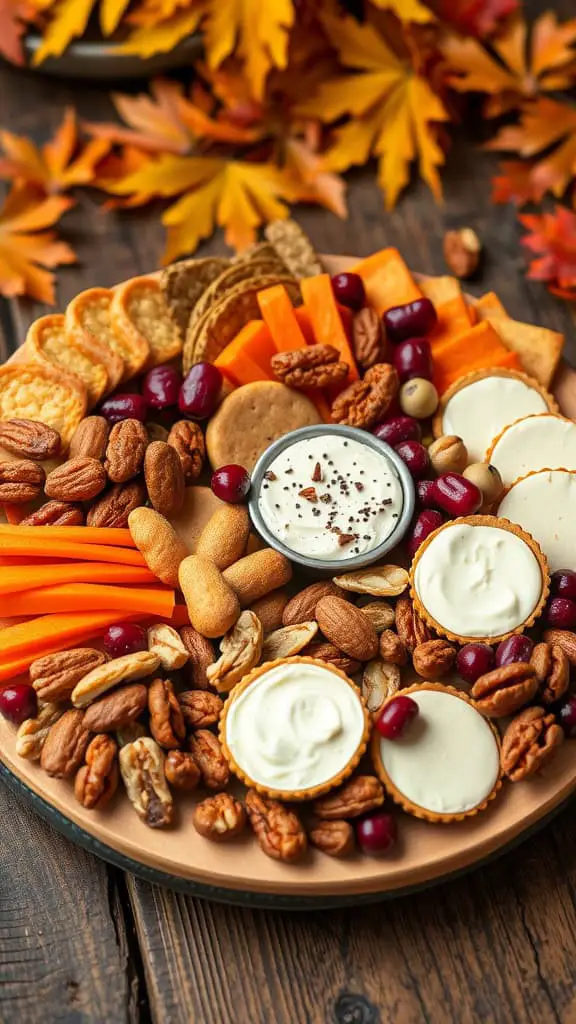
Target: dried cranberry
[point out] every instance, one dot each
(428, 521)
(376, 833)
(200, 391)
(124, 407)
(515, 648)
(18, 701)
(125, 638)
(349, 290)
(566, 713)
(473, 661)
(456, 495)
(563, 583)
(395, 716)
(411, 320)
(561, 613)
(425, 492)
(231, 483)
(415, 456)
(413, 358)
(397, 429)
(161, 387)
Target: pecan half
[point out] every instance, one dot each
(336, 838)
(125, 450)
(530, 741)
(97, 780)
(367, 337)
(433, 659)
(278, 830)
(181, 770)
(29, 439)
(55, 513)
(55, 676)
(380, 680)
(65, 745)
(552, 670)
(207, 752)
(219, 817)
(116, 710)
(202, 654)
(392, 647)
(32, 733)
(565, 639)
(503, 690)
(366, 401)
(90, 438)
(200, 708)
(188, 440)
(241, 649)
(115, 505)
(79, 479)
(164, 478)
(359, 795)
(322, 650)
(142, 769)
(167, 644)
(21, 481)
(315, 366)
(410, 627)
(166, 718)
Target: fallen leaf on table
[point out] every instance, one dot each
(406, 10)
(553, 237)
(256, 30)
(24, 244)
(68, 19)
(161, 37)
(13, 17)
(544, 124)
(58, 165)
(312, 181)
(514, 184)
(478, 18)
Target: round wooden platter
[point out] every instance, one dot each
(240, 872)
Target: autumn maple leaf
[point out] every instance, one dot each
(553, 237)
(256, 30)
(515, 184)
(549, 127)
(519, 68)
(392, 109)
(26, 248)
(406, 10)
(14, 14)
(478, 18)
(56, 166)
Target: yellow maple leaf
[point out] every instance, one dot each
(256, 30)
(68, 19)
(406, 10)
(163, 36)
(56, 166)
(111, 12)
(25, 248)
(306, 168)
(392, 107)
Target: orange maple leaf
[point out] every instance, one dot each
(518, 68)
(514, 184)
(14, 14)
(478, 18)
(548, 127)
(25, 248)
(553, 237)
(257, 31)
(58, 165)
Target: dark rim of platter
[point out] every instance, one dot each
(242, 898)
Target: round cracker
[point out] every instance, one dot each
(48, 342)
(143, 313)
(185, 282)
(228, 279)
(251, 418)
(87, 320)
(36, 391)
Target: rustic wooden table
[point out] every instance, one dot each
(83, 942)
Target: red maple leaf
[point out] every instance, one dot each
(553, 237)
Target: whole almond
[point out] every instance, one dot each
(223, 540)
(29, 439)
(55, 513)
(55, 676)
(201, 656)
(21, 481)
(113, 508)
(79, 479)
(164, 478)
(212, 605)
(347, 627)
(65, 745)
(188, 440)
(270, 609)
(125, 450)
(302, 607)
(158, 543)
(90, 438)
(116, 710)
(256, 575)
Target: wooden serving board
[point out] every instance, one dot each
(424, 853)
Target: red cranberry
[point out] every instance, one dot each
(473, 661)
(161, 387)
(125, 638)
(561, 613)
(124, 407)
(515, 648)
(200, 391)
(412, 320)
(413, 358)
(415, 456)
(397, 429)
(566, 713)
(376, 833)
(18, 702)
(425, 492)
(349, 290)
(456, 495)
(231, 484)
(395, 716)
(428, 521)
(563, 583)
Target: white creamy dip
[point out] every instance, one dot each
(537, 442)
(330, 497)
(448, 760)
(544, 504)
(478, 580)
(295, 727)
(479, 412)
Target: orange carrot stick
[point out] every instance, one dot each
(14, 544)
(278, 314)
(65, 629)
(77, 534)
(79, 597)
(22, 577)
(326, 320)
